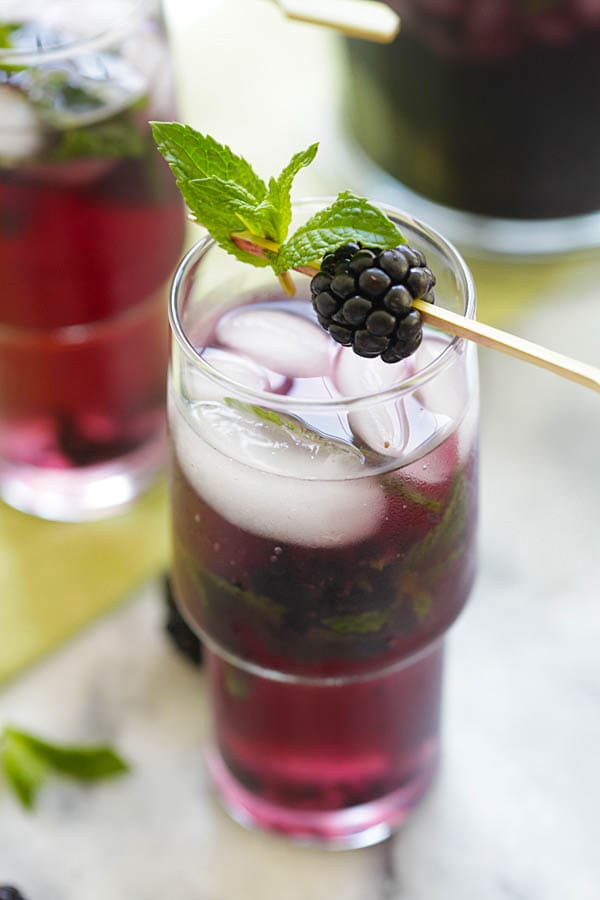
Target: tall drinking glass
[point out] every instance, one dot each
(324, 517)
(91, 227)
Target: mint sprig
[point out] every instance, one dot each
(251, 220)
(27, 762)
(349, 218)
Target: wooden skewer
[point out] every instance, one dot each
(487, 336)
(370, 20)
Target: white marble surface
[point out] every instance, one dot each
(514, 812)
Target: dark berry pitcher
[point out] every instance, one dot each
(488, 108)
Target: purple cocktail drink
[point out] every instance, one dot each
(324, 510)
(91, 226)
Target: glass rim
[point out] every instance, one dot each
(290, 404)
(117, 30)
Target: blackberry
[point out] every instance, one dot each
(179, 631)
(7, 892)
(363, 297)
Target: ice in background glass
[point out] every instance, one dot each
(324, 518)
(91, 227)
(487, 108)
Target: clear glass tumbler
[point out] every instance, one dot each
(481, 111)
(324, 522)
(91, 228)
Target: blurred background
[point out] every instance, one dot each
(83, 651)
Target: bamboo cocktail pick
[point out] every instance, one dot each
(487, 336)
(370, 20)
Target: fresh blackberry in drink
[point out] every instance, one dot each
(367, 303)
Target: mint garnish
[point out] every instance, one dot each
(349, 218)
(251, 220)
(27, 761)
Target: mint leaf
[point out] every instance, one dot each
(349, 218)
(448, 536)
(224, 193)
(401, 487)
(224, 208)
(278, 202)
(261, 412)
(24, 770)
(113, 139)
(7, 29)
(296, 430)
(192, 155)
(27, 760)
(85, 763)
(358, 623)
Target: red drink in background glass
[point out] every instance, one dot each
(91, 226)
(321, 564)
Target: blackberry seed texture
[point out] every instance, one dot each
(363, 297)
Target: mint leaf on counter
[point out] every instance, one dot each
(27, 761)
(23, 769)
(349, 218)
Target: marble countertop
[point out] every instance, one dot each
(513, 814)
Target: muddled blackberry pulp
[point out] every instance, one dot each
(328, 546)
(486, 108)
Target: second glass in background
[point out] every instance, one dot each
(91, 227)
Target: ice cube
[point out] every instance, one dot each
(279, 340)
(87, 89)
(197, 385)
(293, 485)
(20, 129)
(383, 426)
(452, 394)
